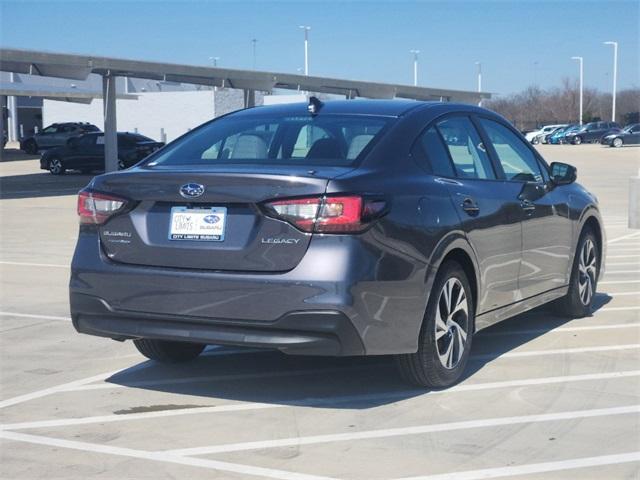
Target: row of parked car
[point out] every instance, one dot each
(80, 146)
(606, 133)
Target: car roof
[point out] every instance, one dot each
(389, 108)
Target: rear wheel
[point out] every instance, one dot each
(584, 278)
(56, 166)
(165, 351)
(446, 333)
(617, 142)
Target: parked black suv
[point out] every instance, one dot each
(55, 135)
(86, 152)
(592, 132)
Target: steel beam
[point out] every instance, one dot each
(110, 125)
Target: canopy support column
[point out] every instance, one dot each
(249, 98)
(110, 126)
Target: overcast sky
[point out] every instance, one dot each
(519, 43)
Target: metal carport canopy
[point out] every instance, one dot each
(78, 67)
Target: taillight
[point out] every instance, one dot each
(95, 208)
(331, 214)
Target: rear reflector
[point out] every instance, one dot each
(95, 208)
(332, 214)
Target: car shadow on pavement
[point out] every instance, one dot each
(272, 377)
(16, 155)
(43, 184)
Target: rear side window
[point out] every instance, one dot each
(332, 140)
(466, 149)
(517, 160)
(432, 147)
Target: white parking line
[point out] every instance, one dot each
(622, 294)
(320, 401)
(27, 264)
(614, 272)
(55, 389)
(31, 315)
(561, 329)
(614, 282)
(533, 468)
(618, 309)
(159, 457)
(623, 256)
(402, 431)
(631, 235)
(559, 351)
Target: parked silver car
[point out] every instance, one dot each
(55, 135)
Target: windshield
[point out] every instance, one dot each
(332, 140)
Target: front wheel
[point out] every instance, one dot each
(56, 166)
(447, 330)
(578, 302)
(577, 140)
(617, 142)
(166, 351)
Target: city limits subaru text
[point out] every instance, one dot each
(338, 228)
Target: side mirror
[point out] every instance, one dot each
(563, 173)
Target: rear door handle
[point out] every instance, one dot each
(527, 206)
(470, 206)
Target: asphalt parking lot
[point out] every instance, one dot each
(545, 397)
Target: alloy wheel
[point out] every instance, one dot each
(587, 272)
(55, 166)
(452, 323)
(617, 142)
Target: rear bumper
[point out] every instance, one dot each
(304, 332)
(339, 300)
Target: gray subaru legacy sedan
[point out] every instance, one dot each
(358, 227)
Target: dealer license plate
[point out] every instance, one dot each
(199, 224)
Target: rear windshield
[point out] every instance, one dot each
(332, 140)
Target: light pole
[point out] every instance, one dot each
(254, 42)
(580, 59)
(214, 60)
(306, 48)
(415, 66)
(479, 64)
(615, 77)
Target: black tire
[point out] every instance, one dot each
(31, 147)
(574, 304)
(56, 167)
(577, 140)
(425, 367)
(166, 351)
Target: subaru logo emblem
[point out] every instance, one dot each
(211, 219)
(191, 190)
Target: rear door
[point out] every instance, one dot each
(546, 228)
(489, 211)
(79, 154)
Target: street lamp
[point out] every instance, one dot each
(214, 60)
(415, 66)
(479, 65)
(581, 61)
(254, 41)
(306, 48)
(615, 77)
